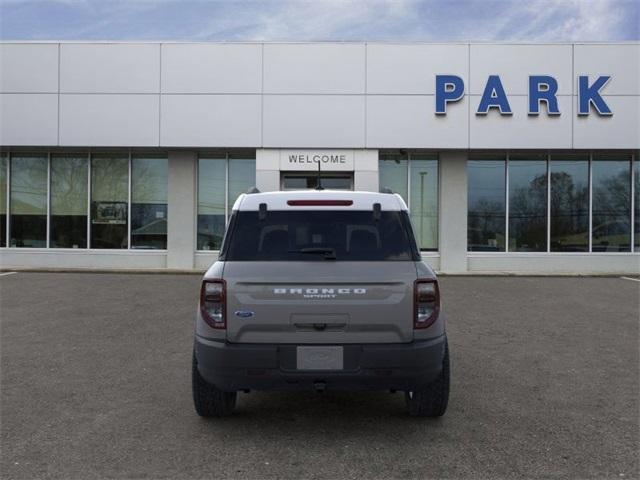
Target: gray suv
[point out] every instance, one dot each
(320, 290)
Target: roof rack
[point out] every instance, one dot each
(253, 190)
(386, 190)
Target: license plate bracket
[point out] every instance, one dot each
(319, 358)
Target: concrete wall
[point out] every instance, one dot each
(329, 95)
(182, 209)
(64, 258)
(453, 212)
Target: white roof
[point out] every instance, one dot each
(361, 200)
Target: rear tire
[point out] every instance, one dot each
(432, 400)
(209, 400)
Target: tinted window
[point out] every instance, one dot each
(149, 202)
(68, 202)
(611, 203)
(528, 205)
(28, 201)
(3, 200)
(211, 202)
(636, 176)
(317, 235)
(424, 200)
(109, 201)
(569, 204)
(242, 176)
(487, 205)
(393, 173)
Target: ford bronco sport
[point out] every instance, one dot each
(320, 290)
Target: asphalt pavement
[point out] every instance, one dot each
(95, 383)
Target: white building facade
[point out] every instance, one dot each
(512, 157)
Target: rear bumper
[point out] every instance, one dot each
(232, 367)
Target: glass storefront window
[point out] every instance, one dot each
(221, 179)
(393, 173)
(242, 176)
(415, 177)
(528, 203)
(486, 199)
(636, 201)
(68, 202)
(611, 216)
(423, 204)
(569, 203)
(109, 201)
(3, 199)
(149, 193)
(28, 224)
(211, 202)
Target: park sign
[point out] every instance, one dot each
(542, 89)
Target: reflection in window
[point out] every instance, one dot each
(611, 181)
(242, 176)
(3, 199)
(211, 202)
(527, 203)
(149, 178)
(69, 202)
(486, 200)
(636, 201)
(28, 201)
(424, 200)
(418, 188)
(569, 203)
(393, 173)
(109, 196)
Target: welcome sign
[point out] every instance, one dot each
(306, 160)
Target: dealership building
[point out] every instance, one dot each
(511, 157)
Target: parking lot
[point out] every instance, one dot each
(95, 377)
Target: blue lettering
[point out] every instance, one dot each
(590, 95)
(449, 88)
(494, 97)
(538, 94)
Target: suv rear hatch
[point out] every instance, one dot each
(319, 276)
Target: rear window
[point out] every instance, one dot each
(314, 235)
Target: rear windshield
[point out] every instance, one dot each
(316, 235)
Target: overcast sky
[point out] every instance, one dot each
(292, 20)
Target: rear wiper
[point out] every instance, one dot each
(329, 253)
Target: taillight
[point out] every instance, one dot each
(213, 303)
(426, 303)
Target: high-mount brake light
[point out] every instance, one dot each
(319, 203)
(426, 303)
(213, 303)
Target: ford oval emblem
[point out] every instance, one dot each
(244, 314)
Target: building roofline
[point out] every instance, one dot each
(318, 42)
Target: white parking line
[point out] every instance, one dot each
(7, 273)
(632, 279)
